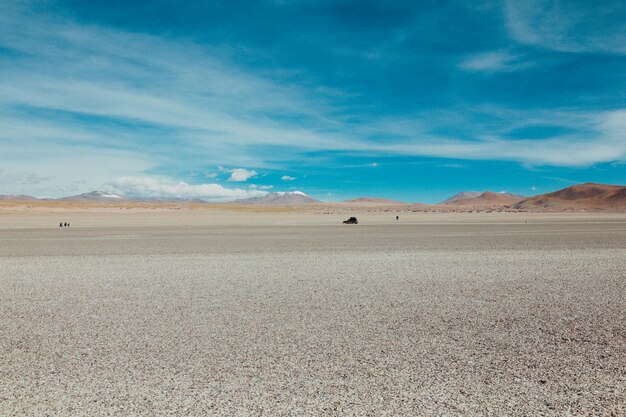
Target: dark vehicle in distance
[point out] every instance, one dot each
(351, 220)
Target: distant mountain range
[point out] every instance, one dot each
(99, 196)
(292, 198)
(374, 201)
(94, 196)
(587, 196)
(488, 198)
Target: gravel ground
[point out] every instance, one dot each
(465, 319)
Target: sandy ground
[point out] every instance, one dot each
(183, 313)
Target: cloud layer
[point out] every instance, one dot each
(146, 187)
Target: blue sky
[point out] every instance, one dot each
(339, 99)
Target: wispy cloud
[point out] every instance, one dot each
(368, 165)
(600, 137)
(452, 165)
(21, 178)
(72, 85)
(569, 26)
(497, 61)
(287, 178)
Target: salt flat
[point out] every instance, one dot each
(179, 313)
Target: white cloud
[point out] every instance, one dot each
(374, 164)
(240, 174)
(288, 178)
(147, 187)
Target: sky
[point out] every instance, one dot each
(413, 101)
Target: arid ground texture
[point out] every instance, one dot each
(180, 313)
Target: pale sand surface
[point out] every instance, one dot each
(271, 216)
(176, 313)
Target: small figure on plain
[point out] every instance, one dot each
(68, 224)
(65, 224)
(397, 218)
(61, 224)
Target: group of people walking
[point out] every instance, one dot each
(64, 224)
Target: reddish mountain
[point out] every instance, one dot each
(588, 196)
(482, 199)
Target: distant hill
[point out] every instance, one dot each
(374, 201)
(474, 198)
(94, 196)
(293, 198)
(586, 196)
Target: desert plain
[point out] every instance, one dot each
(172, 312)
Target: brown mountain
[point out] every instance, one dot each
(588, 196)
(464, 195)
(472, 198)
(374, 202)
